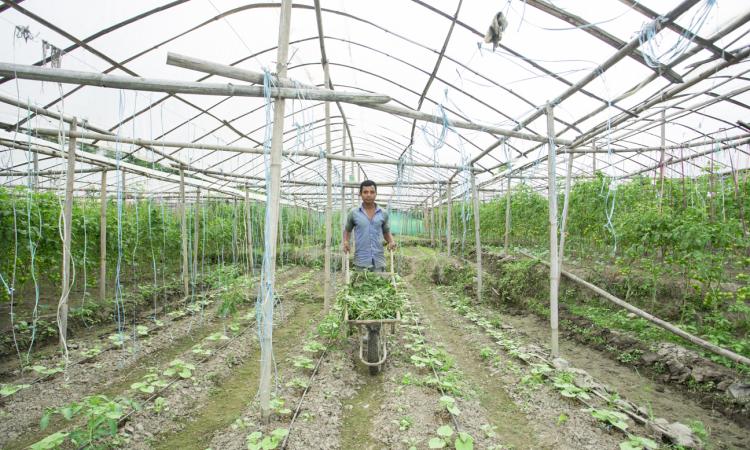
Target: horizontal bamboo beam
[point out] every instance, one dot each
(180, 87)
(251, 76)
(651, 318)
(669, 147)
(227, 148)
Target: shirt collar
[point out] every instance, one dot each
(362, 208)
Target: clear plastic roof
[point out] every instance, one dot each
(687, 62)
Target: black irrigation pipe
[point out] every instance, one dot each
(304, 393)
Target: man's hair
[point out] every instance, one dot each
(365, 183)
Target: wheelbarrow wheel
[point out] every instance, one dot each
(373, 347)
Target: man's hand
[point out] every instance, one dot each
(392, 245)
(346, 247)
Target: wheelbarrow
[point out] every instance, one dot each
(372, 333)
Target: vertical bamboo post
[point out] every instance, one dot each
(449, 219)
(477, 241)
(593, 163)
(563, 221)
(35, 177)
(272, 219)
(433, 227)
(183, 232)
(343, 194)
(554, 273)
(328, 289)
(507, 216)
(662, 156)
(196, 231)
(103, 238)
(62, 307)
(249, 231)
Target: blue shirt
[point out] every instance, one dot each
(368, 236)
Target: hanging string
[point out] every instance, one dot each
(651, 41)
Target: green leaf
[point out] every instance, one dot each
(445, 431)
(44, 423)
(10, 389)
(436, 443)
(50, 442)
(464, 441)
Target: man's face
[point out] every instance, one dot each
(368, 195)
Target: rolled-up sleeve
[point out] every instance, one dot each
(386, 223)
(349, 226)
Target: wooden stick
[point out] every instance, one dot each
(25, 72)
(257, 77)
(554, 277)
(183, 233)
(508, 194)
(448, 218)
(653, 319)
(103, 238)
(477, 240)
(196, 230)
(271, 226)
(62, 307)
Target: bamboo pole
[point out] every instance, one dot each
(229, 148)
(272, 220)
(554, 277)
(183, 233)
(26, 72)
(566, 201)
(433, 229)
(342, 223)
(477, 241)
(249, 233)
(328, 294)
(662, 156)
(35, 176)
(508, 194)
(449, 219)
(196, 231)
(103, 238)
(62, 307)
(257, 77)
(653, 319)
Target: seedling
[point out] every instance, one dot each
(270, 442)
(562, 419)
(142, 330)
(277, 405)
(404, 423)
(218, 336)
(444, 434)
(638, 443)
(313, 347)
(100, 414)
(42, 370)
(160, 404)
(297, 383)
(118, 339)
(6, 390)
(181, 368)
(199, 350)
(149, 383)
(486, 353)
(449, 403)
(490, 431)
(609, 417)
(91, 352)
(303, 362)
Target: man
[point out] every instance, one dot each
(371, 227)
